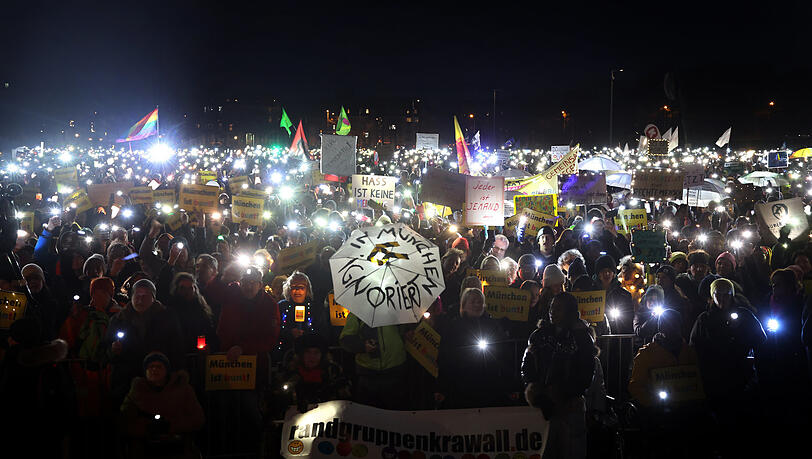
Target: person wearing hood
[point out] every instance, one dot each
(619, 303)
(552, 284)
(674, 298)
(52, 312)
(645, 318)
(193, 312)
(557, 369)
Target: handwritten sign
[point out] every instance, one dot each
(682, 382)
(649, 246)
(657, 185)
(224, 375)
(199, 197)
(164, 197)
(629, 219)
(338, 313)
(299, 257)
(12, 307)
(484, 201)
(443, 187)
(558, 151)
(424, 346)
(338, 154)
(511, 223)
(247, 208)
(204, 177)
(591, 305)
(488, 276)
(694, 175)
(427, 141)
(78, 200)
(513, 303)
(582, 188)
(774, 215)
(534, 222)
(544, 203)
(142, 195)
(377, 188)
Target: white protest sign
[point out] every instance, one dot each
(558, 151)
(694, 175)
(338, 154)
(776, 214)
(427, 141)
(484, 201)
(378, 188)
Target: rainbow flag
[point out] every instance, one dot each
(141, 130)
(463, 155)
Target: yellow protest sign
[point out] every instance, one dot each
(591, 305)
(628, 219)
(424, 346)
(224, 375)
(12, 307)
(164, 196)
(238, 183)
(252, 193)
(293, 258)
(143, 195)
(199, 197)
(544, 203)
(26, 221)
(513, 303)
(66, 179)
(432, 210)
(338, 313)
(204, 177)
(173, 221)
(248, 209)
(488, 276)
(316, 177)
(511, 223)
(535, 221)
(682, 383)
(79, 200)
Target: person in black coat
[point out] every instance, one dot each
(193, 312)
(619, 303)
(647, 314)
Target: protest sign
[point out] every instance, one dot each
(582, 188)
(338, 428)
(488, 276)
(338, 154)
(484, 201)
(252, 193)
(513, 303)
(142, 195)
(694, 175)
(173, 220)
(777, 159)
(657, 185)
(104, 194)
(378, 188)
(629, 219)
(338, 313)
(66, 179)
(682, 383)
(658, 147)
(511, 223)
(239, 183)
(431, 210)
(424, 346)
(427, 141)
(544, 203)
(293, 258)
(534, 222)
(204, 177)
(773, 215)
(546, 182)
(199, 197)
(26, 221)
(248, 209)
(224, 375)
(591, 305)
(442, 187)
(12, 307)
(165, 197)
(78, 200)
(649, 246)
(502, 155)
(558, 151)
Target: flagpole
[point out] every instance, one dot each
(158, 123)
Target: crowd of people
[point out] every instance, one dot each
(107, 359)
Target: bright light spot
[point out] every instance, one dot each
(127, 213)
(538, 264)
(276, 177)
(266, 215)
(88, 239)
(321, 222)
(65, 157)
(167, 209)
(119, 334)
(243, 260)
(702, 238)
(239, 164)
(747, 234)
(452, 228)
(658, 310)
(22, 233)
(663, 395)
(292, 225)
(482, 344)
(734, 315)
(614, 313)
(588, 228)
(736, 244)
(772, 325)
(667, 224)
(159, 153)
(675, 233)
(426, 314)
(285, 193)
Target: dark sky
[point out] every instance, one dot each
(64, 61)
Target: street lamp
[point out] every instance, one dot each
(612, 102)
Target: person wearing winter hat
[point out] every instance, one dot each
(645, 319)
(620, 306)
(528, 269)
(688, 282)
(674, 298)
(578, 277)
(546, 240)
(679, 261)
(552, 284)
(461, 243)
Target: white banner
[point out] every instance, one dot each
(341, 428)
(378, 188)
(427, 141)
(484, 201)
(558, 151)
(338, 154)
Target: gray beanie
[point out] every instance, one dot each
(146, 283)
(552, 276)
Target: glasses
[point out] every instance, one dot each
(298, 287)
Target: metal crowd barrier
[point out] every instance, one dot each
(617, 354)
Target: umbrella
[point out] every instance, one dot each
(387, 275)
(802, 153)
(599, 163)
(619, 180)
(513, 173)
(764, 178)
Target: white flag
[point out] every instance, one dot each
(673, 141)
(724, 139)
(667, 135)
(626, 149)
(641, 145)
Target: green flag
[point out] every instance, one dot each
(343, 124)
(285, 121)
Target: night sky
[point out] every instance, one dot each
(728, 61)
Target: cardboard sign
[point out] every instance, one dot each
(12, 307)
(777, 159)
(236, 183)
(591, 305)
(513, 303)
(165, 197)
(484, 201)
(142, 195)
(338, 313)
(694, 175)
(199, 197)
(293, 258)
(547, 181)
(424, 346)
(502, 155)
(488, 276)
(79, 201)
(248, 209)
(511, 223)
(224, 375)
(252, 193)
(66, 178)
(338, 154)
(774, 215)
(378, 188)
(629, 219)
(654, 185)
(204, 177)
(173, 221)
(427, 141)
(558, 151)
(582, 188)
(26, 221)
(443, 187)
(682, 383)
(431, 210)
(649, 246)
(103, 194)
(534, 222)
(544, 203)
